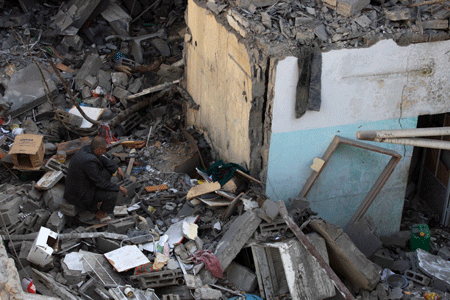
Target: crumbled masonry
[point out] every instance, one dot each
(73, 70)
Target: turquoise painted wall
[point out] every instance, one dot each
(347, 177)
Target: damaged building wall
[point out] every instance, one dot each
(219, 79)
(382, 87)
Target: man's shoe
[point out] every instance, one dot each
(102, 216)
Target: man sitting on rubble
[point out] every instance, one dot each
(87, 182)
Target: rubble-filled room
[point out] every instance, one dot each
(220, 149)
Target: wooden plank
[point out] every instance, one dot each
(435, 24)
(329, 152)
(153, 89)
(202, 189)
(374, 191)
(194, 146)
(327, 155)
(131, 163)
(246, 176)
(262, 268)
(231, 207)
(215, 203)
(156, 188)
(304, 240)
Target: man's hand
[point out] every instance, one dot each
(123, 190)
(120, 174)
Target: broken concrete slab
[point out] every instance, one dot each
(434, 266)
(26, 91)
(72, 15)
(244, 279)
(207, 293)
(49, 180)
(383, 259)
(119, 79)
(348, 8)
(202, 189)
(400, 239)
(56, 221)
(104, 80)
(91, 66)
(126, 258)
(299, 272)
(271, 209)
(345, 257)
(236, 236)
(363, 234)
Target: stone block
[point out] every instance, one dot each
(56, 221)
(350, 7)
(171, 297)
(121, 93)
(69, 209)
(91, 81)
(345, 257)
(53, 198)
(402, 14)
(90, 67)
(362, 233)
(235, 238)
(401, 265)
(136, 86)
(417, 277)
(30, 206)
(25, 90)
(86, 92)
(384, 260)
(119, 79)
(207, 294)
(271, 209)
(244, 279)
(444, 252)
(121, 226)
(23, 254)
(104, 80)
(107, 245)
(400, 239)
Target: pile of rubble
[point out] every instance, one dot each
(190, 227)
(335, 24)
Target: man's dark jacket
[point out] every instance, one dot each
(85, 176)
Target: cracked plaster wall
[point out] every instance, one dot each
(227, 78)
(382, 87)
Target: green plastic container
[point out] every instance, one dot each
(420, 237)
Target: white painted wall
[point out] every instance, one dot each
(382, 82)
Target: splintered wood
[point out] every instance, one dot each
(202, 189)
(156, 188)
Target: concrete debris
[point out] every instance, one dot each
(26, 91)
(434, 266)
(345, 258)
(115, 69)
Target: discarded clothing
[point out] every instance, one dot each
(212, 263)
(221, 172)
(105, 132)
